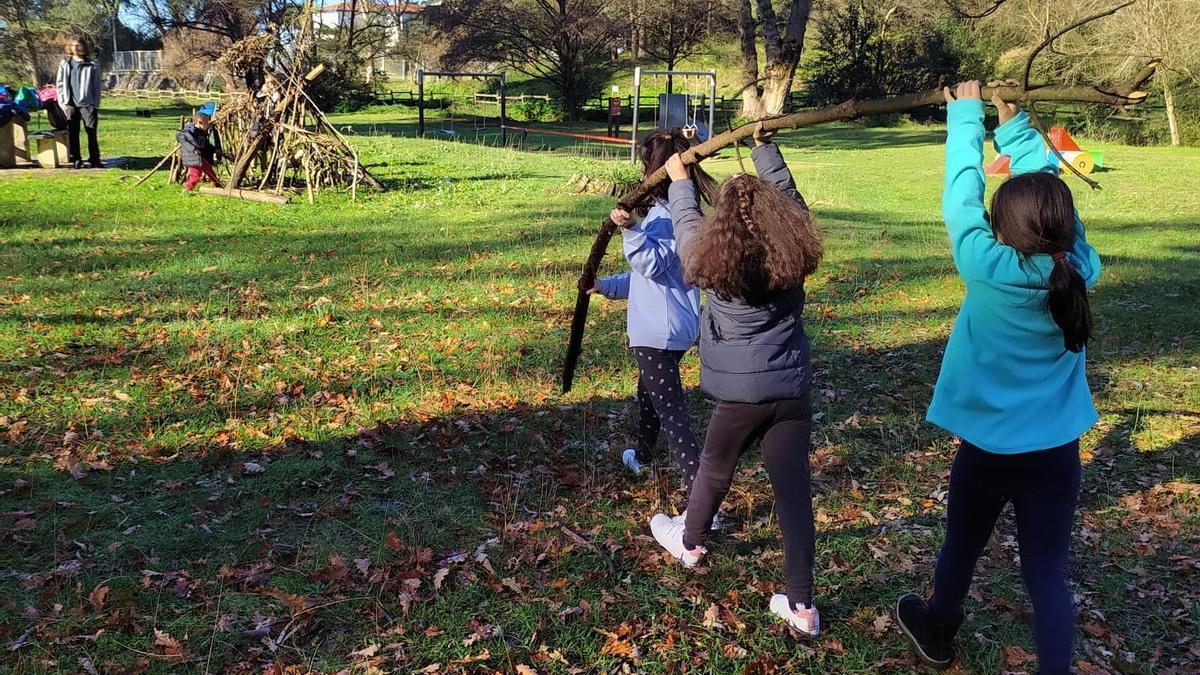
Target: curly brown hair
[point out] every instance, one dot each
(757, 242)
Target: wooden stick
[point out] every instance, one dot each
(251, 195)
(315, 72)
(849, 110)
(158, 166)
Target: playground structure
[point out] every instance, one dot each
(672, 107)
(1084, 161)
(501, 99)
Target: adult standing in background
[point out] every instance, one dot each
(78, 85)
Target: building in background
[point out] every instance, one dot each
(393, 19)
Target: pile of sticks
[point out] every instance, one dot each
(276, 138)
(279, 139)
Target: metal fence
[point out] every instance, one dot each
(148, 61)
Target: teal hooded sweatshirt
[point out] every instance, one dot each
(1007, 385)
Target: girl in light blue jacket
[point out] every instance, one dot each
(663, 316)
(1012, 385)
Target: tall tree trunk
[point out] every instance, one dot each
(350, 33)
(31, 52)
(783, 52)
(635, 30)
(782, 55)
(751, 103)
(1172, 122)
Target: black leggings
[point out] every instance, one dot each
(785, 428)
(1044, 489)
(662, 405)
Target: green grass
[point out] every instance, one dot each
(237, 434)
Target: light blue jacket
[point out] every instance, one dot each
(1007, 384)
(664, 311)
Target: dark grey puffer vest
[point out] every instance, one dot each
(749, 353)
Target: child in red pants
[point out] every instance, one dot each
(198, 152)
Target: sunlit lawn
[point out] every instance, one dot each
(331, 437)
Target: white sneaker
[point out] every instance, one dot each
(716, 523)
(629, 459)
(806, 620)
(669, 534)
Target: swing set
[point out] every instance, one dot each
(446, 119)
(672, 109)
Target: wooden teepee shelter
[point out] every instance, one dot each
(276, 137)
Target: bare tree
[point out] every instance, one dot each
(1162, 31)
(230, 21)
(783, 42)
(673, 32)
(1167, 31)
(567, 44)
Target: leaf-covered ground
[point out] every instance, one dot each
(236, 436)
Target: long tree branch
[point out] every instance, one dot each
(849, 110)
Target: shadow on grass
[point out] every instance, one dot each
(524, 506)
(145, 164)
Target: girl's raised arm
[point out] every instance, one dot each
(972, 243)
(685, 203)
(770, 165)
(1017, 138)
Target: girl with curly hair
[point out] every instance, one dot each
(751, 257)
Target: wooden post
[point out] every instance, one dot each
(503, 110)
(421, 104)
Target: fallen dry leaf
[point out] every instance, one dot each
(439, 577)
(881, 623)
(1015, 657)
(712, 618)
(97, 597)
(392, 542)
(167, 646)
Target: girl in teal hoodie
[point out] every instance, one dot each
(1012, 385)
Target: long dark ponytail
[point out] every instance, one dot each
(1035, 213)
(1069, 304)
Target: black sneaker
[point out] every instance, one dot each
(932, 641)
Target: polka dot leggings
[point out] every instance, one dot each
(662, 406)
